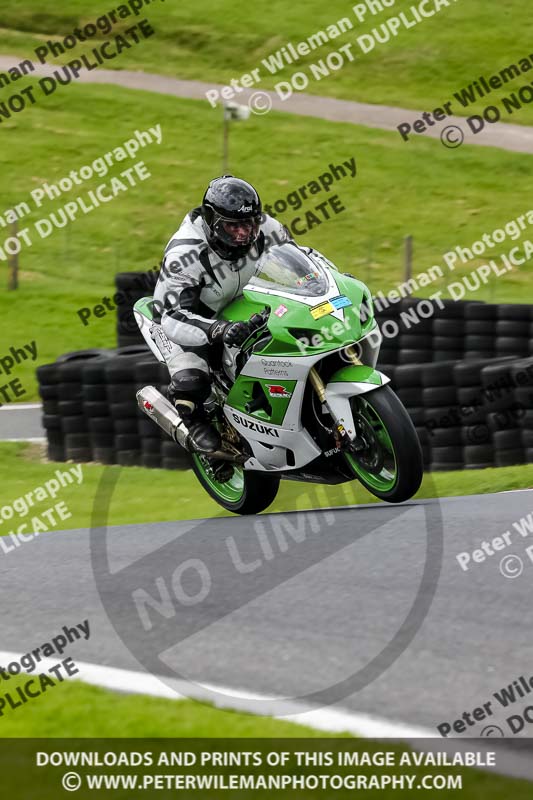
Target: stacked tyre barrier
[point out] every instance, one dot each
(418, 330)
(415, 330)
(455, 371)
(90, 411)
(463, 370)
(508, 390)
(469, 414)
(498, 330)
(131, 286)
(64, 415)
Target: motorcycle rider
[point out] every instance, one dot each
(206, 264)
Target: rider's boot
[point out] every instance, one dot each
(203, 437)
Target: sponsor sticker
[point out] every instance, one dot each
(276, 390)
(281, 310)
(309, 277)
(164, 341)
(322, 309)
(341, 301)
(329, 306)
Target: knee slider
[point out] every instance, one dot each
(191, 384)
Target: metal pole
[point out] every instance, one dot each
(369, 257)
(408, 268)
(13, 264)
(225, 144)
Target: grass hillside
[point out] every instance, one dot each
(420, 68)
(444, 198)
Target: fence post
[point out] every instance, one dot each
(13, 264)
(408, 258)
(369, 257)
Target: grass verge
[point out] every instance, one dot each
(76, 710)
(143, 495)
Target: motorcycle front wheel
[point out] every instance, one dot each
(386, 457)
(244, 493)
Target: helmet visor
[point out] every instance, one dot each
(236, 232)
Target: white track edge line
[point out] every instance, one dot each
(31, 439)
(328, 719)
(323, 719)
(20, 406)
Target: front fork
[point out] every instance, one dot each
(344, 384)
(342, 438)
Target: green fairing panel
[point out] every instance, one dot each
(348, 285)
(318, 335)
(145, 306)
(243, 308)
(245, 389)
(356, 374)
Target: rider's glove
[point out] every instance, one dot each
(231, 333)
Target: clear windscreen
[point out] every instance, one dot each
(287, 268)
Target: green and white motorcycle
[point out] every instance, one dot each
(301, 399)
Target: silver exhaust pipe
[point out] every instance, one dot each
(164, 414)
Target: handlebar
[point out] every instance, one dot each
(261, 318)
(258, 321)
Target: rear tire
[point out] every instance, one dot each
(399, 445)
(245, 493)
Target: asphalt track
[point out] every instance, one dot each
(307, 617)
(21, 421)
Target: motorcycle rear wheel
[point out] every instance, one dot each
(391, 465)
(245, 492)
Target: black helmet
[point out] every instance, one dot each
(231, 213)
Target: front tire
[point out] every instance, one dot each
(390, 465)
(245, 493)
